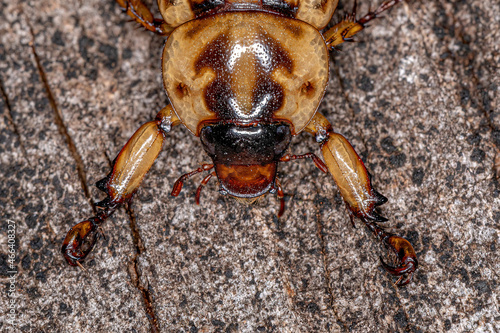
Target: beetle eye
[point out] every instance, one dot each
(207, 139)
(281, 132)
(283, 138)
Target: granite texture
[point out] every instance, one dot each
(417, 95)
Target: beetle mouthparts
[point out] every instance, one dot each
(246, 181)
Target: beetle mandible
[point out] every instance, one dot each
(245, 76)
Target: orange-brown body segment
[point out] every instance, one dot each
(246, 181)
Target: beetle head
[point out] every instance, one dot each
(246, 157)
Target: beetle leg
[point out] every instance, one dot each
(80, 240)
(354, 183)
(349, 26)
(347, 170)
(137, 10)
(407, 258)
(129, 168)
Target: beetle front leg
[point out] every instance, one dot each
(353, 181)
(129, 168)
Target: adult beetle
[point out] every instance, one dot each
(245, 76)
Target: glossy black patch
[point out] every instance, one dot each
(205, 7)
(233, 144)
(210, 7)
(280, 6)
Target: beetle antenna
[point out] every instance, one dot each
(281, 198)
(180, 182)
(202, 184)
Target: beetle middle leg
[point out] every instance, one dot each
(349, 26)
(137, 10)
(129, 168)
(354, 183)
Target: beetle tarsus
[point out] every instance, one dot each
(80, 240)
(406, 256)
(376, 14)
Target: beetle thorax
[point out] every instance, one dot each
(244, 64)
(244, 68)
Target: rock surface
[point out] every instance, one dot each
(419, 99)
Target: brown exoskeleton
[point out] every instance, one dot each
(245, 76)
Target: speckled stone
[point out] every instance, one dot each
(418, 97)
